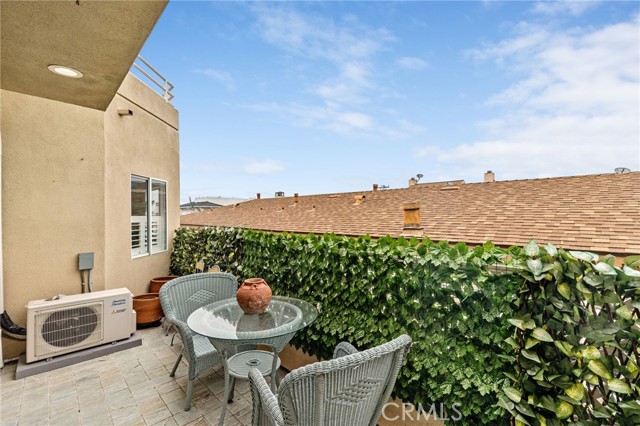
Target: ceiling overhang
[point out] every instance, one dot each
(101, 39)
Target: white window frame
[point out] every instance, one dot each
(150, 249)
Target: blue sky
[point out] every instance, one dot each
(320, 97)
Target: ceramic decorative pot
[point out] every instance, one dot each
(156, 283)
(147, 307)
(254, 296)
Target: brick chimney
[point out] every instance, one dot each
(489, 176)
(412, 181)
(411, 220)
(375, 186)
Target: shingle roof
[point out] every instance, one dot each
(595, 212)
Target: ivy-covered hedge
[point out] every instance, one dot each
(370, 291)
(488, 345)
(575, 338)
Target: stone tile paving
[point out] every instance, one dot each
(129, 388)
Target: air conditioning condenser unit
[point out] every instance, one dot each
(79, 321)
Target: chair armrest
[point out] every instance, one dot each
(264, 401)
(343, 349)
(186, 334)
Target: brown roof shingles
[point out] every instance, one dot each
(593, 212)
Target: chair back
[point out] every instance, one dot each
(181, 296)
(350, 390)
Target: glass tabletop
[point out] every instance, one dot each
(225, 320)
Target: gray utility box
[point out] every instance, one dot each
(85, 261)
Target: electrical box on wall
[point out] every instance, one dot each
(85, 261)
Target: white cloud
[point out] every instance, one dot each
(356, 120)
(574, 109)
(572, 7)
(318, 37)
(267, 166)
(223, 77)
(411, 63)
(351, 87)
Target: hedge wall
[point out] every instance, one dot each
(459, 312)
(370, 291)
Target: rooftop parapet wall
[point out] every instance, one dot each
(140, 94)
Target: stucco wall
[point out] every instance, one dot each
(52, 200)
(144, 144)
(66, 189)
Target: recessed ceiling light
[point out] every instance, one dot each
(65, 71)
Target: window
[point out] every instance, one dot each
(148, 216)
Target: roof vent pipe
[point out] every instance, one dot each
(622, 170)
(295, 197)
(411, 219)
(375, 186)
(489, 176)
(257, 196)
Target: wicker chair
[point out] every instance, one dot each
(350, 389)
(179, 298)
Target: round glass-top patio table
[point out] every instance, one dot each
(227, 327)
(225, 321)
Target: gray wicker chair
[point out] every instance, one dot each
(350, 389)
(179, 298)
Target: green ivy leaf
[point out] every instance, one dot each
(630, 407)
(531, 249)
(547, 403)
(590, 352)
(598, 367)
(512, 342)
(513, 394)
(631, 272)
(531, 355)
(531, 342)
(584, 255)
(624, 312)
(564, 290)
(551, 250)
(525, 409)
(535, 266)
(605, 269)
(576, 391)
(542, 335)
(563, 410)
(619, 386)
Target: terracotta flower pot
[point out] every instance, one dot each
(254, 296)
(157, 282)
(147, 307)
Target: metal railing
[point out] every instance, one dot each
(154, 77)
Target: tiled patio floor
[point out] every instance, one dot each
(131, 387)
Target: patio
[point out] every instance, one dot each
(131, 387)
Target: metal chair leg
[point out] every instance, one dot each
(175, 366)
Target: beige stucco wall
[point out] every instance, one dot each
(52, 200)
(145, 144)
(66, 189)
